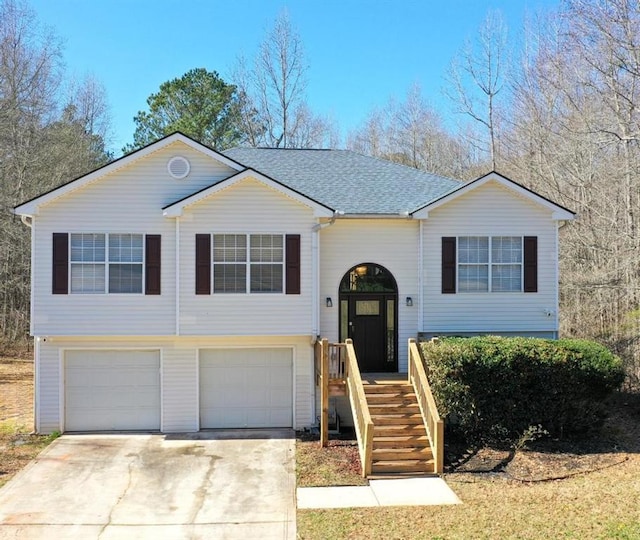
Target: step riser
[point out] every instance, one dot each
(399, 443)
(389, 420)
(388, 389)
(423, 468)
(381, 411)
(396, 455)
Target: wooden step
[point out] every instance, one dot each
(401, 441)
(394, 408)
(398, 430)
(412, 466)
(402, 454)
(387, 388)
(384, 399)
(396, 419)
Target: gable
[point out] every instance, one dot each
(148, 168)
(517, 192)
(177, 208)
(248, 205)
(491, 202)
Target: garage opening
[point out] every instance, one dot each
(112, 390)
(246, 388)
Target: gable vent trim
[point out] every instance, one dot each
(179, 167)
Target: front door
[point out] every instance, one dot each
(371, 331)
(368, 315)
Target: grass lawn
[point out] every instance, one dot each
(552, 490)
(17, 445)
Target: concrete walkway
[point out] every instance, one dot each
(424, 491)
(218, 484)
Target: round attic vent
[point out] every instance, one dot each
(178, 167)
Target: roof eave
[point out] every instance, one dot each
(30, 207)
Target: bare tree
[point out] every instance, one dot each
(273, 92)
(44, 141)
(411, 132)
(575, 137)
(476, 81)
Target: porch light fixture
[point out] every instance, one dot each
(328, 302)
(409, 301)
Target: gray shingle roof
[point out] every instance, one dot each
(347, 181)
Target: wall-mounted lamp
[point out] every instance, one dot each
(409, 301)
(328, 302)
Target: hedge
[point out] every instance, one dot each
(494, 389)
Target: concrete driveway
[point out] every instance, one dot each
(222, 484)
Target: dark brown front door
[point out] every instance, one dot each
(371, 326)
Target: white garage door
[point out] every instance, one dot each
(112, 390)
(246, 388)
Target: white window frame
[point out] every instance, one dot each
(107, 263)
(248, 263)
(490, 264)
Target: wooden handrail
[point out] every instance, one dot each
(430, 416)
(360, 408)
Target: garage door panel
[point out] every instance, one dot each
(112, 390)
(246, 388)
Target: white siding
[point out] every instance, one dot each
(129, 200)
(490, 210)
(48, 399)
(390, 243)
(303, 373)
(179, 390)
(179, 374)
(246, 207)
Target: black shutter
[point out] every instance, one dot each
(292, 258)
(60, 280)
(448, 264)
(530, 264)
(152, 264)
(203, 264)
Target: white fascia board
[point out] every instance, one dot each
(558, 212)
(30, 208)
(176, 209)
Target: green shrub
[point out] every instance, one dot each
(493, 389)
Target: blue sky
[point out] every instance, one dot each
(359, 52)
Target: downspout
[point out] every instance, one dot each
(36, 386)
(28, 221)
(315, 254)
(421, 278)
(177, 287)
(559, 224)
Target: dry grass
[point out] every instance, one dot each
(595, 495)
(17, 445)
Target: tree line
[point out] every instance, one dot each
(560, 116)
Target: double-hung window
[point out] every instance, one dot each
(490, 263)
(101, 263)
(253, 263)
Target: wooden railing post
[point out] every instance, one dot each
(324, 396)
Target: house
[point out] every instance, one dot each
(179, 288)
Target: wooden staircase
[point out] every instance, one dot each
(400, 441)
